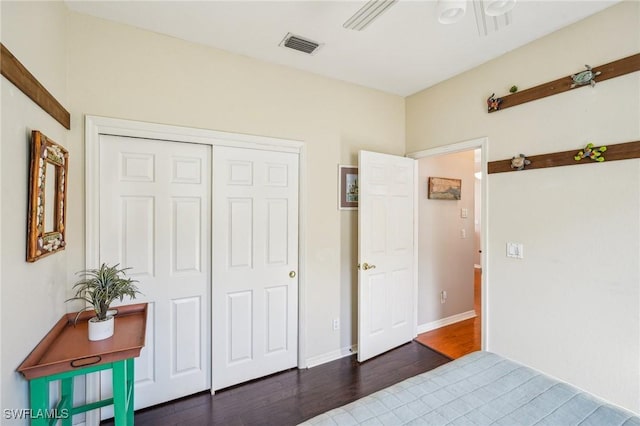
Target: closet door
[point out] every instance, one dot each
(255, 284)
(155, 218)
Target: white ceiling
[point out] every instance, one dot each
(404, 51)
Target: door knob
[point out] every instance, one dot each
(366, 266)
(292, 274)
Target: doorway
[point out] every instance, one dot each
(451, 254)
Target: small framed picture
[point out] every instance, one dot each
(444, 188)
(347, 187)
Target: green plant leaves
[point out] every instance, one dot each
(100, 287)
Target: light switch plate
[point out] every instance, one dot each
(515, 250)
(464, 213)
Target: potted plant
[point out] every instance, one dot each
(100, 287)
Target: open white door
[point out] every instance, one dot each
(386, 253)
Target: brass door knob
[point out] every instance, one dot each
(366, 266)
(292, 274)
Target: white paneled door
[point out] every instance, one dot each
(386, 252)
(255, 283)
(155, 217)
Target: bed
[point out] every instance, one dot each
(481, 388)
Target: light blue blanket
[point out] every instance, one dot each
(481, 388)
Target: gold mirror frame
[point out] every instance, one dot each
(44, 238)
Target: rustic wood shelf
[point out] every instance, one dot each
(611, 70)
(621, 151)
(16, 73)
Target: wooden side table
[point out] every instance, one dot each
(66, 352)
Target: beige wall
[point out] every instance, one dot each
(119, 71)
(571, 307)
(32, 294)
(445, 260)
(552, 310)
(100, 68)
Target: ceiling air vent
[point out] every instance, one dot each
(300, 44)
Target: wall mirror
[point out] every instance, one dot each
(47, 197)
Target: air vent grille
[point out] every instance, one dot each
(367, 14)
(300, 44)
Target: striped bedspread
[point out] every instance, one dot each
(481, 388)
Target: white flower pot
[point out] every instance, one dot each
(100, 330)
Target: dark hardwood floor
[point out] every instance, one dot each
(293, 396)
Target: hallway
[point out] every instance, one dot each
(461, 338)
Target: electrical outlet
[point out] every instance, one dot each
(443, 296)
(336, 324)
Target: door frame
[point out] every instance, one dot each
(95, 126)
(472, 144)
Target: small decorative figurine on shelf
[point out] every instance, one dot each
(591, 152)
(513, 89)
(493, 103)
(519, 162)
(584, 77)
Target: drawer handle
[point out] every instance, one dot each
(83, 362)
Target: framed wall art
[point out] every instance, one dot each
(444, 188)
(47, 197)
(347, 187)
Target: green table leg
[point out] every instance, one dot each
(39, 395)
(123, 385)
(122, 413)
(67, 395)
(130, 393)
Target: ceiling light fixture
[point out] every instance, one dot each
(498, 7)
(451, 11)
(367, 14)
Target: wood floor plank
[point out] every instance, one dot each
(293, 396)
(461, 338)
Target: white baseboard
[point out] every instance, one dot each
(331, 356)
(423, 328)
